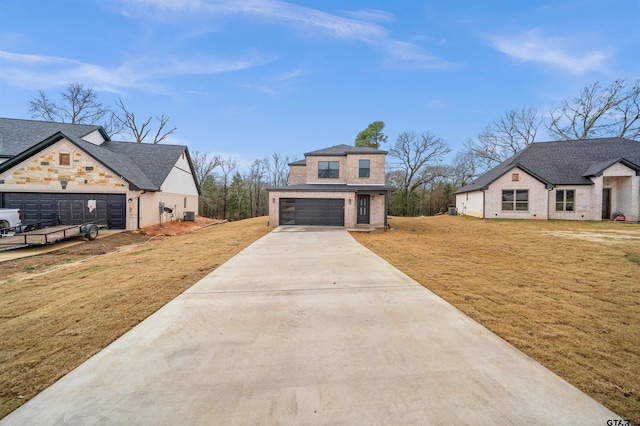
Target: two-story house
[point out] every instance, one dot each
(338, 186)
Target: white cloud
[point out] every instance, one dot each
(307, 20)
(371, 15)
(32, 59)
(408, 55)
(27, 70)
(277, 84)
(555, 51)
(267, 90)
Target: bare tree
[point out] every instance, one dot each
(464, 169)
(599, 111)
(255, 178)
(204, 164)
(505, 136)
(44, 108)
(277, 167)
(414, 155)
(140, 130)
(80, 105)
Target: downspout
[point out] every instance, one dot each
(138, 215)
(386, 209)
(484, 207)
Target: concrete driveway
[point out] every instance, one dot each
(306, 326)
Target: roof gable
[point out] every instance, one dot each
(154, 160)
(598, 168)
(564, 162)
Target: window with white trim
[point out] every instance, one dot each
(565, 200)
(515, 199)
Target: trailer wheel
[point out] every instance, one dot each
(92, 233)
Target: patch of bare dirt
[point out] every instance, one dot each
(608, 237)
(180, 227)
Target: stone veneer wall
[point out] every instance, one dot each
(44, 173)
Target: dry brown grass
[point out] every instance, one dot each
(565, 293)
(51, 322)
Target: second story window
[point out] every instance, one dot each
(328, 169)
(364, 168)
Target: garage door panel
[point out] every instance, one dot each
(312, 211)
(43, 208)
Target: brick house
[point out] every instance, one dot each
(587, 179)
(341, 185)
(132, 185)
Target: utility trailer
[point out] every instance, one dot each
(74, 218)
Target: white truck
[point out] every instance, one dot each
(10, 219)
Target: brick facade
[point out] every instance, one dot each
(305, 176)
(619, 179)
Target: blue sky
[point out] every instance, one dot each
(249, 78)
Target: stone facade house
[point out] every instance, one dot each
(341, 185)
(591, 179)
(45, 165)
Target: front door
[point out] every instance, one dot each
(363, 208)
(606, 204)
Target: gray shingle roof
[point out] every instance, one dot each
(17, 135)
(154, 160)
(144, 166)
(565, 162)
(122, 165)
(340, 150)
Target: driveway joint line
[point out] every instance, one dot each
(306, 289)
